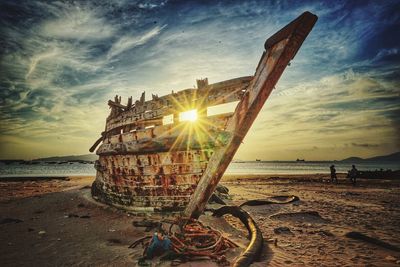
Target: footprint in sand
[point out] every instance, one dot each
(302, 216)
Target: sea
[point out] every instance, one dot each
(44, 169)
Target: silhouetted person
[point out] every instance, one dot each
(333, 174)
(353, 174)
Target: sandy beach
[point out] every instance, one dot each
(56, 223)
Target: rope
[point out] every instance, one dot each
(196, 240)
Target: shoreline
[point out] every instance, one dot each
(21, 187)
(225, 176)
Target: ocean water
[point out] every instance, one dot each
(291, 167)
(247, 167)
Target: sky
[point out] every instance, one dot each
(61, 61)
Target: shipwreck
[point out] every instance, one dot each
(169, 153)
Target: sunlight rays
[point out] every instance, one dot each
(196, 129)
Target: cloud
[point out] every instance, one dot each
(78, 23)
(337, 109)
(386, 53)
(365, 145)
(127, 42)
(152, 4)
(37, 58)
(64, 60)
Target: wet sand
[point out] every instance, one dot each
(55, 223)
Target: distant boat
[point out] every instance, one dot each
(300, 160)
(258, 159)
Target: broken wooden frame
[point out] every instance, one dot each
(279, 50)
(149, 164)
(146, 164)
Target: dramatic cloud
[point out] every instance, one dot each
(78, 24)
(61, 61)
(129, 42)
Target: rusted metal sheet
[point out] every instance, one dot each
(280, 49)
(146, 164)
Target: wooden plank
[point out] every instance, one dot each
(147, 200)
(179, 184)
(126, 125)
(223, 92)
(167, 138)
(153, 116)
(129, 128)
(114, 136)
(126, 188)
(159, 159)
(281, 48)
(185, 142)
(115, 167)
(135, 182)
(210, 124)
(115, 104)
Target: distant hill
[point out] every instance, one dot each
(391, 157)
(395, 157)
(352, 159)
(87, 157)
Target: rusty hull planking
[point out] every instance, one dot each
(151, 182)
(145, 165)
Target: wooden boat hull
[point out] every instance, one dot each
(146, 164)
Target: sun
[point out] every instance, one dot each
(190, 115)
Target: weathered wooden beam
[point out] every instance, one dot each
(96, 144)
(115, 104)
(159, 158)
(163, 144)
(170, 137)
(123, 198)
(214, 94)
(158, 192)
(170, 130)
(155, 116)
(133, 182)
(133, 169)
(281, 48)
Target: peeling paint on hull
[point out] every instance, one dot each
(148, 165)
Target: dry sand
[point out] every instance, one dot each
(55, 223)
